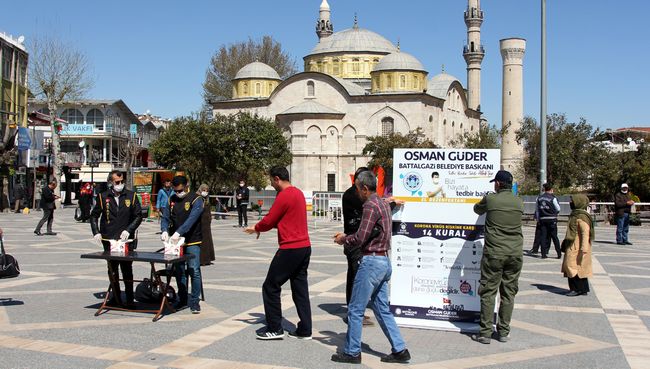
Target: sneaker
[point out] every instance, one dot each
(50, 233)
(294, 334)
(38, 233)
(401, 357)
(195, 308)
(342, 357)
(481, 339)
(367, 321)
(267, 335)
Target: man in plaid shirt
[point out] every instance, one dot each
(371, 281)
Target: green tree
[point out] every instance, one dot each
(223, 150)
(230, 58)
(486, 137)
(380, 148)
(574, 156)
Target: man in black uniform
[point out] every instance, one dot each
(242, 193)
(352, 210)
(47, 204)
(182, 218)
(119, 214)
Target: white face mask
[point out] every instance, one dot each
(204, 193)
(119, 187)
(624, 190)
(241, 185)
(181, 195)
(436, 181)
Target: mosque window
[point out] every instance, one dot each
(335, 67)
(430, 118)
(356, 65)
(270, 88)
(387, 126)
(453, 124)
(311, 89)
(461, 126)
(245, 88)
(389, 82)
(416, 82)
(402, 81)
(258, 88)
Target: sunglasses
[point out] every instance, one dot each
(179, 191)
(118, 182)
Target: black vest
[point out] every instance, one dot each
(179, 211)
(114, 218)
(545, 208)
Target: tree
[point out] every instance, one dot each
(58, 72)
(574, 156)
(229, 59)
(487, 137)
(380, 148)
(130, 150)
(223, 150)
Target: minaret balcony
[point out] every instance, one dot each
(478, 49)
(473, 13)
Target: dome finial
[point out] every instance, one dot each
(443, 68)
(356, 21)
(398, 46)
(324, 5)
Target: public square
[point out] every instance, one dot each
(47, 314)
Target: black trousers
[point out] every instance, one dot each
(548, 233)
(114, 277)
(536, 241)
(243, 214)
(578, 284)
(353, 266)
(48, 216)
(288, 265)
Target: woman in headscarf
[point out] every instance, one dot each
(577, 247)
(207, 248)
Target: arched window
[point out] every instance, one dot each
(416, 82)
(72, 116)
(402, 81)
(258, 88)
(96, 118)
(245, 88)
(387, 126)
(356, 65)
(311, 89)
(389, 82)
(111, 120)
(336, 70)
(270, 87)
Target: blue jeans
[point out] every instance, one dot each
(622, 228)
(193, 268)
(371, 284)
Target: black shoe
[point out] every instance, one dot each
(559, 256)
(294, 334)
(195, 308)
(544, 257)
(50, 233)
(267, 335)
(401, 357)
(531, 252)
(573, 293)
(481, 339)
(627, 243)
(38, 233)
(342, 357)
(620, 243)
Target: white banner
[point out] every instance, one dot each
(437, 241)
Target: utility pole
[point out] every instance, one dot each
(542, 118)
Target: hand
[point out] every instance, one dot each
(251, 230)
(339, 238)
(630, 202)
(174, 238)
(98, 239)
(124, 235)
(164, 237)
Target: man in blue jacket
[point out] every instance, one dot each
(162, 200)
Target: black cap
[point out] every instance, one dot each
(503, 176)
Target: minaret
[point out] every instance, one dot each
(324, 27)
(512, 52)
(474, 53)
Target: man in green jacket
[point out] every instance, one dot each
(502, 256)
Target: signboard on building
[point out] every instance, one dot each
(143, 184)
(24, 140)
(133, 130)
(77, 129)
(437, 242)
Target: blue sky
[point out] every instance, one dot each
(153, 54)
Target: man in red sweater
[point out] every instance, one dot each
(289, 215)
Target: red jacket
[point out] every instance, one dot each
(289, 215)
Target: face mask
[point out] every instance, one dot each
(241, 185)
(181, 194)
(624, 190)
(436, 181)
(119, 187)
(204, 193)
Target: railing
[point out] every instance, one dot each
(477, 49)
(473, 13)
(327, 207)
(601, 211)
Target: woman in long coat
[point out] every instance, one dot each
(207, 247)
(577, 247)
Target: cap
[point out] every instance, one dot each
(624, 185)
(503, 176)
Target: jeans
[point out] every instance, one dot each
(371, 284)
(288, 265)
(622, 227)
(193, 268)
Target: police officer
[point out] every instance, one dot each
(119, 214)
(548, 209)
(182, 218)
(502, 256)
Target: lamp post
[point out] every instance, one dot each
(542, 113)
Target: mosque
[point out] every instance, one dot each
(358, 84)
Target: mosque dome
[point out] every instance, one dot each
(399, 61)
(439, 85)
(354, 40)
(257, 70)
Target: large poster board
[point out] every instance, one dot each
(143, 185)
(437, 241)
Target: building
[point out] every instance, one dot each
(357, 84)
(96, 137)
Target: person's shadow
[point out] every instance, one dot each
(337, 309)
(549, 288)
(338, 340)
(8, 301)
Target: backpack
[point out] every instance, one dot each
(8, 264)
